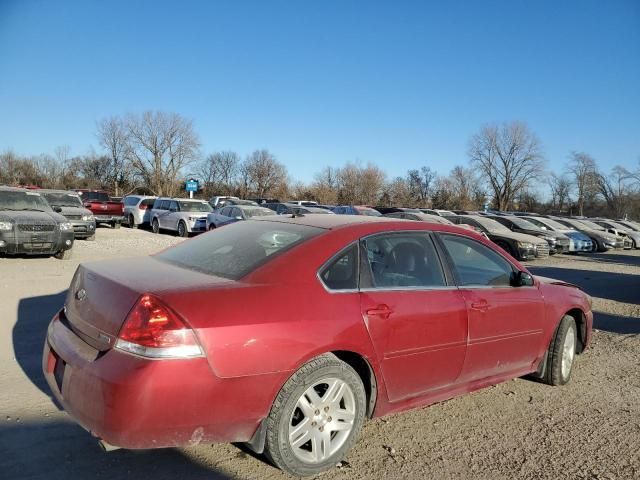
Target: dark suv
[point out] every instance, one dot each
(29, 226)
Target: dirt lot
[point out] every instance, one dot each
(589, 429)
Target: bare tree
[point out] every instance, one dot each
(582, 167)
(509, 157)
(560, 190)
(113, 137)
(219, 171)
(421, 185)
(160, 146)
(360, 185)
(264, 174)
(325, 185)
(62, 153)
(615, 190)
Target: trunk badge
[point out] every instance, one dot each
(81, 294)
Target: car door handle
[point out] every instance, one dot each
(481, 306)
(380, 311)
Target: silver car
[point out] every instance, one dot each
(578, 242)
(70, 206)
(137, 210)
(180, 215)
(624, 231)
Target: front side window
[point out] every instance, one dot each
(475, 264)
(342, 273)
(403, 260)
(186, 206)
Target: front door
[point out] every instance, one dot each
(417, 323)
(505, 321)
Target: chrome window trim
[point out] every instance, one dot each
(409, 289)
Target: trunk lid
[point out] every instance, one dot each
(102, 294)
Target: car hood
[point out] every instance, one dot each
(75, 211)
(553, 281)
(28, 216)
(520, 237)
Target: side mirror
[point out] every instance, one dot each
(57, 209)
(522, 279)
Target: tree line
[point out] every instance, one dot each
(155, 151)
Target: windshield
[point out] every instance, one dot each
(63, 199)
(491, 225)
(238, 249)
(258, 212)
(591, 225)
(522, 223)
(23, 201)
(95, 196)
(195, 207)
(548, 223)
(369, 211)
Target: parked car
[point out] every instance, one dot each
(518, 245)
(384, 210)
(234, 213)
(137, 210)
(68, 204)
(261, 200)
(302, 203)
(628, 234)
(437, 211)
(218, 202)
(181, 215)
(29, 226)
(426, 217)
(356, 210)
(558, 242)
(635, 226)
(103, 208)
(288, 209)
(578, 241)
(600, 238)
(195, 344)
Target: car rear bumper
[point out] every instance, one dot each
(133, 402)
(108, 218)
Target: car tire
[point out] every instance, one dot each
(64, 255)
(91, 238)
(155, 226)
(308, 389)
(560, 357)
(182, 229)
(212, 226)
(132, 222)
(595, 246)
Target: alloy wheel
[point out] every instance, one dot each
(568, 352)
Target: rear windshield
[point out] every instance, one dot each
(369, 211)
(491, 225)
(525, 224)
(258, 212)
(238, 249)
(97, 196)
(63, 199)
(195, 207)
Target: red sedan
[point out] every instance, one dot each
(286, 333)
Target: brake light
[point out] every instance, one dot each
(143, 206)
(153, 330)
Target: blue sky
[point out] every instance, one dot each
(400, 84)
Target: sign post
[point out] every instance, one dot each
(191, 186)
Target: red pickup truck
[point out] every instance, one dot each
(100, 204)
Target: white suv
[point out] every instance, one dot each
(137, 209)
(181, 215)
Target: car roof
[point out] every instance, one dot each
(54, 190)
(16, 189)
(329, 222)
(182, 199)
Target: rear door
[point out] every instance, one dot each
(416, 318)
(505, 322)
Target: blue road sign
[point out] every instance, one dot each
(191, 185)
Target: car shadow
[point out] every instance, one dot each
(611, 258)
(619, 287)
(30, 331)
(60, 450)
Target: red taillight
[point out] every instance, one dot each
(153, 330)
(143, 206)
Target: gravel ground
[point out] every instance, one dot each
(589, 429)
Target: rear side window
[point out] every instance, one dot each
(342, 272)
(148, 202)
(403, 260)
(476, 264)
(237, 249)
